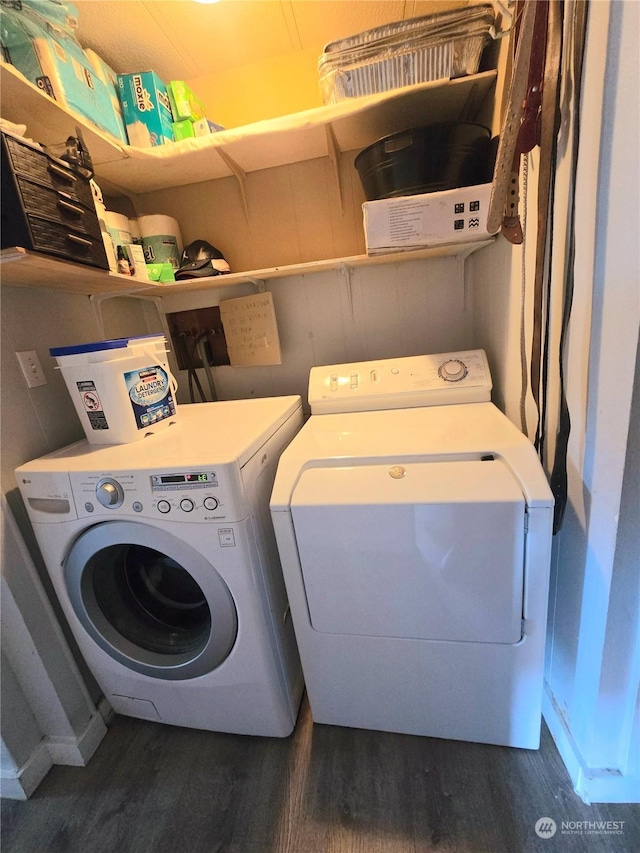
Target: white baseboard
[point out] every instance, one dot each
(21, 784)
(77, 751)
(106, 711)
(73, 751)
(591, 784)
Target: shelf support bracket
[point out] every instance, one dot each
(461, 263)
(347, 272)
(96, 300)
(240, 176)
(259, 284)
(334, 156)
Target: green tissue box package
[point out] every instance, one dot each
(184, 104)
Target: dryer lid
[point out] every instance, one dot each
(393, 482)
(417, 434)
(427, 551)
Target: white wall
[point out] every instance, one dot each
(500, 307)
(593, 662)
(385, 311)
(39, 420)
(21, 735)
(48, 716)
(593, 648)
(48, 695)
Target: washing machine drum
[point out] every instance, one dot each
(150, 600)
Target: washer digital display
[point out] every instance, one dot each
(191, 480)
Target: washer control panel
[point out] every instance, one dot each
(426, 380)
(202, 495)
(182, 492)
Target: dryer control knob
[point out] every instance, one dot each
(109, 493)
(211, 503)
(164, 506)
(453, 370)
(186, 505)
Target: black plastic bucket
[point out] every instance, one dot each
(427, 159)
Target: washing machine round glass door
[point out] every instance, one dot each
(150, 600)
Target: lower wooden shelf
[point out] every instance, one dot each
(22, 268)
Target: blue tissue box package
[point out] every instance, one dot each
(146, 109)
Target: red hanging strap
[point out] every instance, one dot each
(529, 131)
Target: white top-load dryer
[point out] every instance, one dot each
(414, 522)
(163, 557)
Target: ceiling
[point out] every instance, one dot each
(185, 40)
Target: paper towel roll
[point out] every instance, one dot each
(135, 231)
(119, 228)
(161, 239)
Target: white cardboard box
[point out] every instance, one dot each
(422, 221)
(137, 261)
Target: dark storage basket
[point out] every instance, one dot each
(47, 206)
(428, 159)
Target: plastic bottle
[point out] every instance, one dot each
(124, 267)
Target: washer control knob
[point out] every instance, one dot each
(109, 493)
(164, 506)
(211, 503)
(453, 370)
(186, 505)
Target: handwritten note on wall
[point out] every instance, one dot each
(250, 329)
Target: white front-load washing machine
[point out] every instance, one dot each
(163, 556)
(414, 526)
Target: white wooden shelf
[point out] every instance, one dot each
(349, 125)
(257, 277)
(324, 131)
(21, 268)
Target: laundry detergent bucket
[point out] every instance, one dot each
(122, 389)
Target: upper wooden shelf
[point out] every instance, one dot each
(349, 125)
(22, 268)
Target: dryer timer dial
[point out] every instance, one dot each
(453, 370)
(110, 493)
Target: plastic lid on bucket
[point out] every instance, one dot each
(97, 346)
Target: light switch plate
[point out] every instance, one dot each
(31, 368)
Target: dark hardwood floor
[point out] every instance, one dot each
(158, 789)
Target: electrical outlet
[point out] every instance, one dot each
(31, 368)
